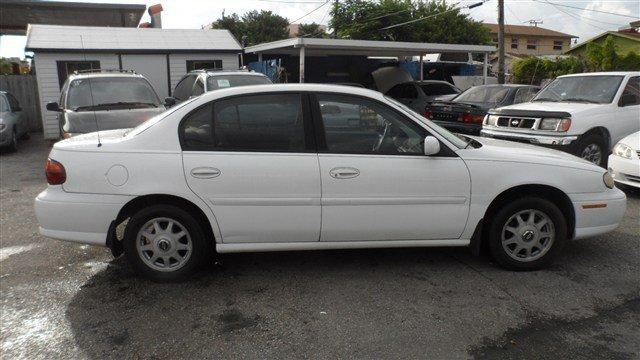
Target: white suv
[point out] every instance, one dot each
(310, 167)
(583, 114)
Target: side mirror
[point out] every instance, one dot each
(628, 99)
(169, 101)
(53, 106)
(431, 146)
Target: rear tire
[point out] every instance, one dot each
(593, 149)
(527, 234)
(165, 243)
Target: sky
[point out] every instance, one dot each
(193, 14)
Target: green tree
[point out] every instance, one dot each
(311, 30)
(361, 19)
(5, 67)
(231, 23)
(258, 27)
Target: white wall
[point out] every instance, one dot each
(152, 66)
(178, 63)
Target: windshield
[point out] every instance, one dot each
(454, 139)
(597, 89)
(114, 91)
(224, 81)
(483, 94)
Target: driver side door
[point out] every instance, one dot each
(376, 182)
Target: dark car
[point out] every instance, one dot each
(464, 114)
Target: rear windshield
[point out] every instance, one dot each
(483, 94)
(225, 81)
(106, 91)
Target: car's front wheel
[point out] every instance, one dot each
(527, 234)
(164, 242)
(592, 149)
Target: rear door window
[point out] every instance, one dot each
(260, 123)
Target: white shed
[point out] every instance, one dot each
(162, 55)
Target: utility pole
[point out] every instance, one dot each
(500, 41)
(335, 25)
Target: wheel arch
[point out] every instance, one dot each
(143, 201)
(601, 131)
(547, 192)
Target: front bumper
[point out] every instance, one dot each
(598, 213)
(625, 171)
(83, 218)
(538, 139)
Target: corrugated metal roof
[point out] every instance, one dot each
(66, 38)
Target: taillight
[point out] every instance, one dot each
(56, 173)
(471, 119)
(428, 114)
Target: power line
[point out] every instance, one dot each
(512, 13)
(310, 12)
(433, 15)
(573, 15)
(594, 10)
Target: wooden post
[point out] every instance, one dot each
(501, 42)
(301, 64)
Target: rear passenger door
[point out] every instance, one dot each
(253, 159)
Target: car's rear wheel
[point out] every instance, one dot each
(592, 149)
(164, 242)
(527, 234)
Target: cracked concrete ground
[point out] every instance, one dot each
(62, 300)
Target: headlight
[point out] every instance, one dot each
(491, 120)
(622, 150)
(554, 124)
(608, 180)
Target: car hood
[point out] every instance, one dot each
(388, 77)
(89, 121)
(502, 150)
(545, 106)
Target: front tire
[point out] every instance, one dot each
(592, 148)
(527, 234)
(165, 243)
(13, 145)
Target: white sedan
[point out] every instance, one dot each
(309, 167)
(624, 162)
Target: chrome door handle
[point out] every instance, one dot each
(344, 173)
(205, 172)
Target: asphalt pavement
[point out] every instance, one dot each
(68, 301)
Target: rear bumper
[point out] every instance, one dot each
(82, 218)
(598, 213)
(625, 171)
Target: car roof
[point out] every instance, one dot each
(275, 88)
(226, 72)
(105, 74)
(614, 73)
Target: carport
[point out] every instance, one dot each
(303, 47)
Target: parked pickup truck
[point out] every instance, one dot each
(582, 114)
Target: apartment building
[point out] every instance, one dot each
(523, 40)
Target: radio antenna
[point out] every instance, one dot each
(95, 117)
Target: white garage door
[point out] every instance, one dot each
(153, 67)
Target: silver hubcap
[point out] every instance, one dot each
(164, 244)
(528, 235)
(592, 153)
